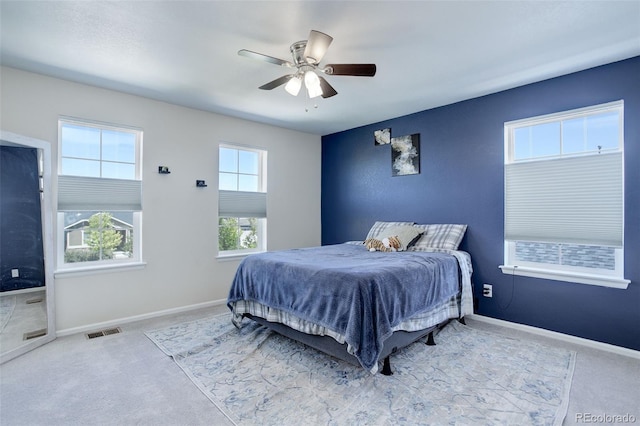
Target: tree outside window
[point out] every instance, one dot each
(237, 233)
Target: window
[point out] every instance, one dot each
(242, 200)
(99, 195)
(564, 196)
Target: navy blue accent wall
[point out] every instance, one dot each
(461, 181)
(20, 219)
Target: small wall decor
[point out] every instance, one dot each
(382, 136)
(163, 170)
(405, 155)
(201, 184)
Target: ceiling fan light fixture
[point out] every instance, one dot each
(294, 85)
(307, 55)
(312, 82)
(317, 46)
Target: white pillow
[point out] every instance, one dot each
(379, 229)
(407, 234)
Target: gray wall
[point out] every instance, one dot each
(179, 220)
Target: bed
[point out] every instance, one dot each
(355, 304)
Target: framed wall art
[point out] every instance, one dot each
(382, 136)
(405, 155)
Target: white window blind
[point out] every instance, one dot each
(81, 193)
(571, 200)
(242, 204)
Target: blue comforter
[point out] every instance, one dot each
(345, 288)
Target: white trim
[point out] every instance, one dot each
(599, 280)
(618, 350)
(23, 291)
(235, 256)
(566, 115)
(237, 145)
(102, 269)
(150, 315)
(99, 124)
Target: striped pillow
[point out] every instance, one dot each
(379, 229)
(444, 236)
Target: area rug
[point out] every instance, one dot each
(471, 377)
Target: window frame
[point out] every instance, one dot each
(104, 265)
(593, 276)
(262, 188)
(137, 132)
(262, 236)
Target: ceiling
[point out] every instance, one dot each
(428, 53)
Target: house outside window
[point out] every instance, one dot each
(99, 195)
(242, 213)
(564, 196)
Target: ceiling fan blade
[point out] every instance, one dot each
(259, 56)
(327, 90)
(360, 70)
(317, 46)
(277, 82)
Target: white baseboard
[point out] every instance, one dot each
(23, 291)
(559, 336)
(120, 321)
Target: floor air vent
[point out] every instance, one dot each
(34, 334)
(106, 332)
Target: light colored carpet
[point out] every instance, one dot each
(470, 377)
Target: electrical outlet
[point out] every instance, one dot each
(487, 290)
(15, 273)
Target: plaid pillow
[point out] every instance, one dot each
(445, 236)
(379, 229)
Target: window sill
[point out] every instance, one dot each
(599, 280)
(235, 256)
(101, 269)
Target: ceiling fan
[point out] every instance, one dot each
(307, 55)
